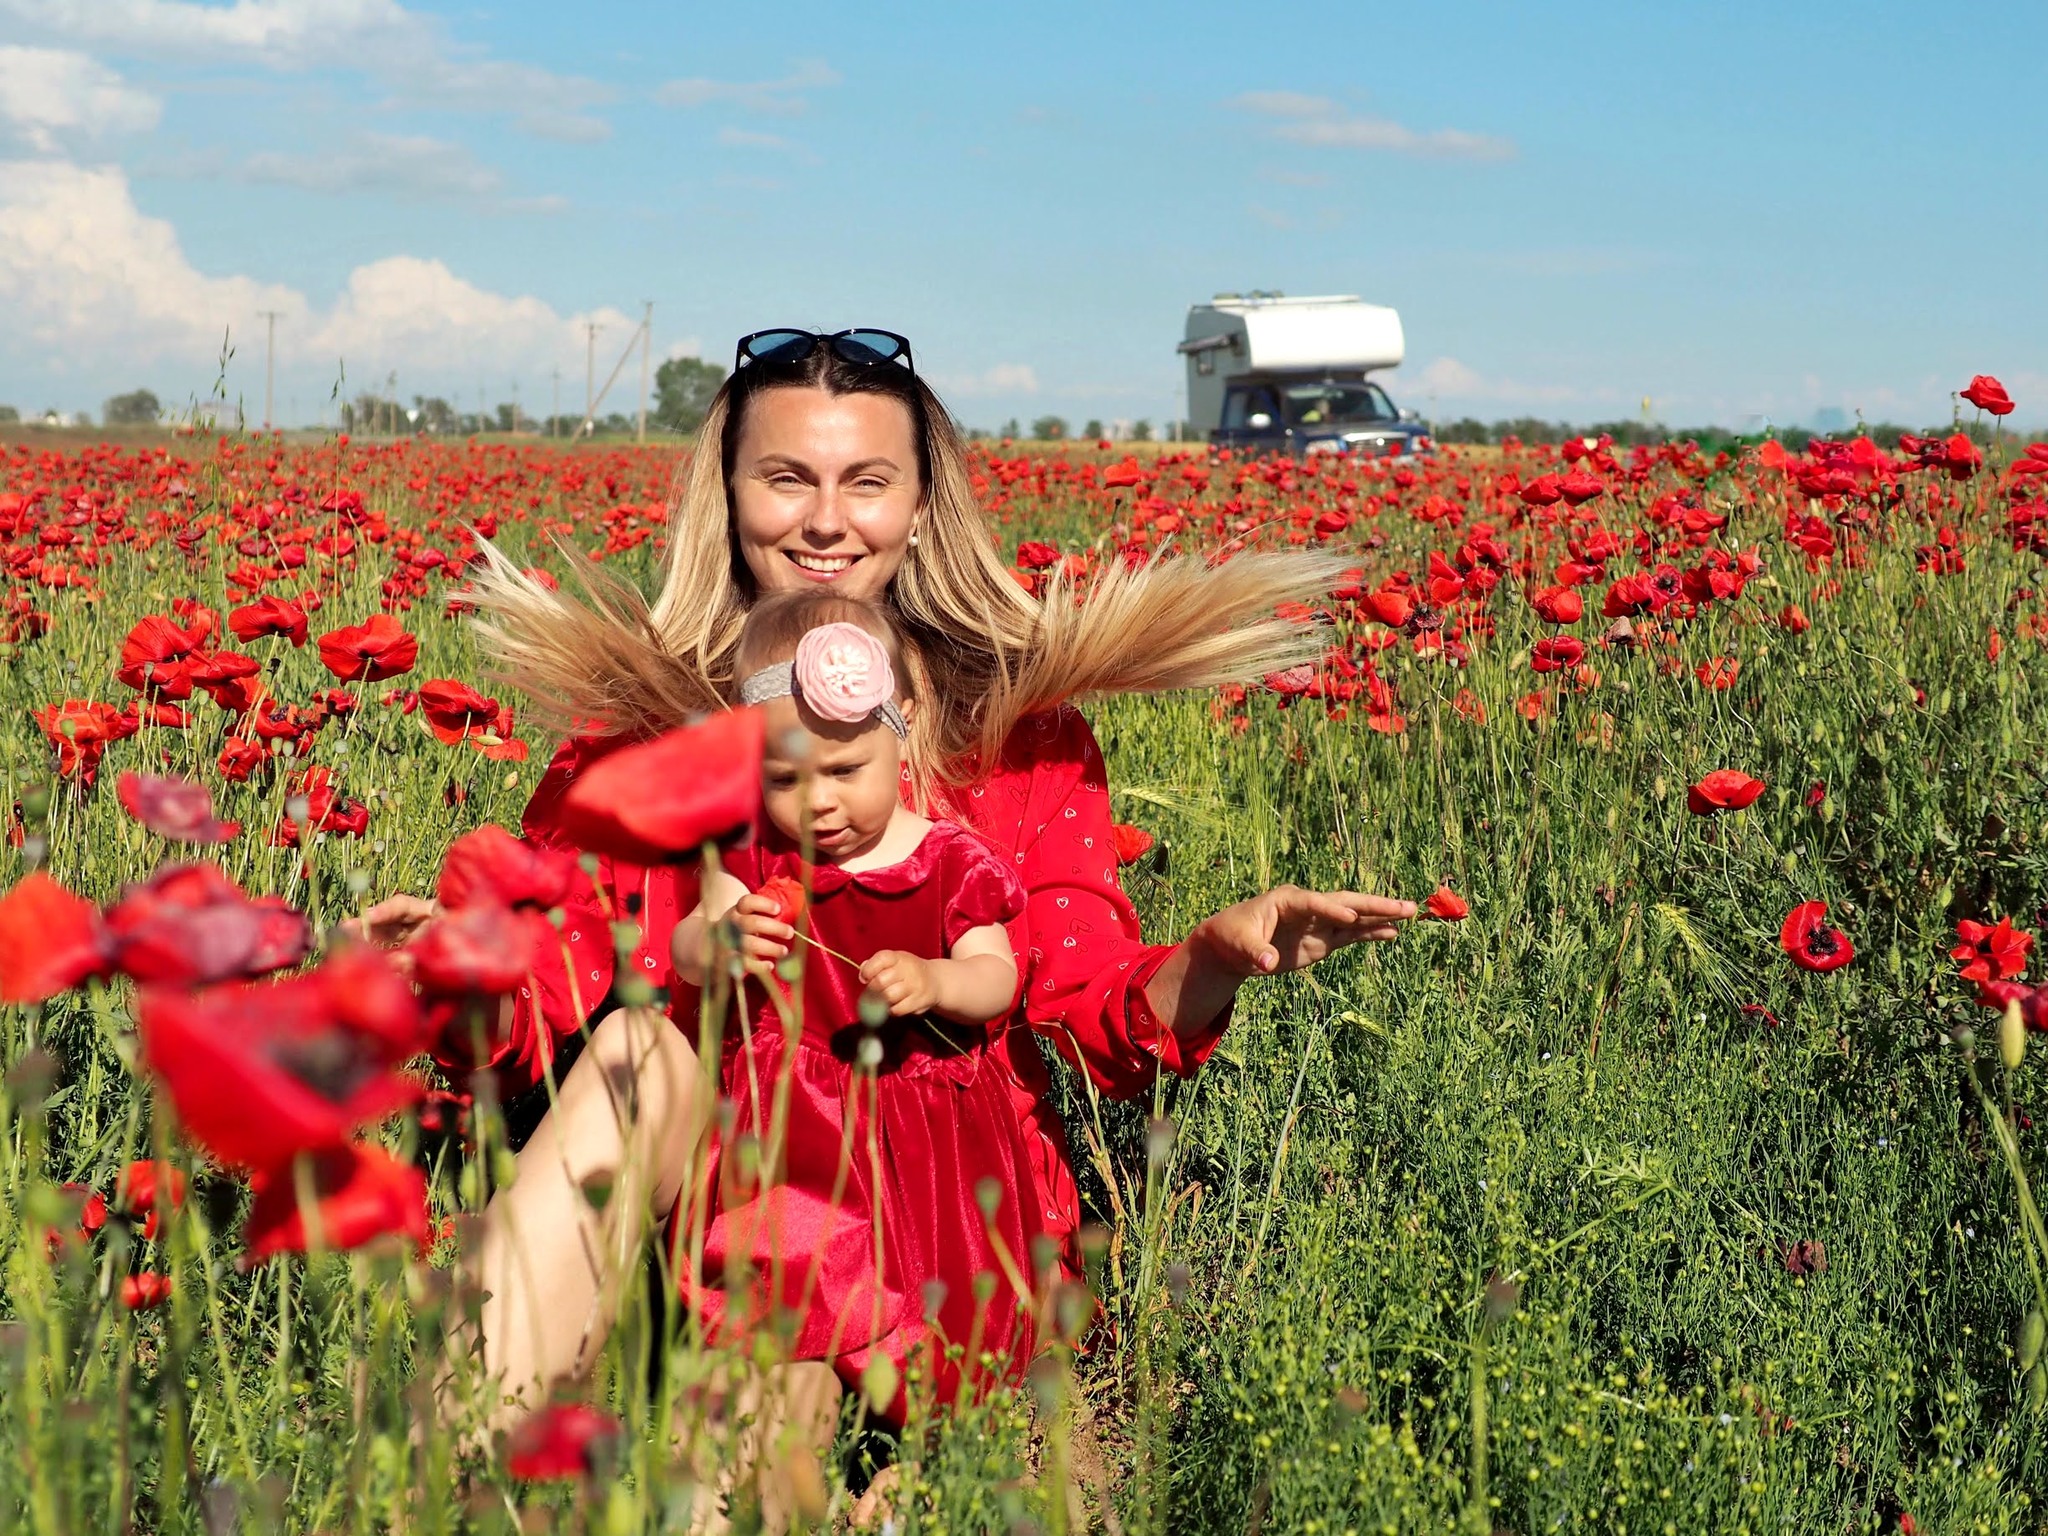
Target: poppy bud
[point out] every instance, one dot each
(2032, 1333)
(2012, 1035)
(2037, 1387)
(878, 1383)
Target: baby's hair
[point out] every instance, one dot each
(779, 620)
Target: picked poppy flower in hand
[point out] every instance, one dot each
(1811, 943)
(788, 896)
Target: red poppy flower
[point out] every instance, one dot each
(174, 808)
(1991, 952)
(1811, 943)
(1131, 843)
(455, 711)
(561, 1441)
(660, 802)
(190, 925)
(1554, 653)
(50, 941)
(155, 656)
(231, 680)
(1816, 794)
(269, 616)
(260, 1072)
(1725, 789)
(473, 951)
(1718, 672)
(327, 809)
(493, 867)
(1294, 682)
(788, 896)
(1035, 556)
(369, 652)
(1391, 608)
(1987, 394)
(359, 1194)
(1557, 605)
(81, 730)
(1579, 487)
(1447, 904)
(240, 757)
(145, 1292)
(148, 1189)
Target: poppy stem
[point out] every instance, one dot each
(828, 949)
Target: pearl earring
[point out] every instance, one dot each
(913, 536)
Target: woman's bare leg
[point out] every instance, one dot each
(550, 1264)
(781, 1427)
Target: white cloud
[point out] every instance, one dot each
(83, 271)
(776, 98)
(1317, 120)
(49, 95)
(379, 162)
(1001, 379)
(94, 288)
(747, 138)
(408, 53)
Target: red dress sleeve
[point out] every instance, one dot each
(980, 889)
(1086, 964)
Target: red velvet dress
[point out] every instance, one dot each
(1045, 809)
(881, 1176)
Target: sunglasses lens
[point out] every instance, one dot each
(781, 346)
(871, 346)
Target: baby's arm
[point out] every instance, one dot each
(973, 985)
(764, 938)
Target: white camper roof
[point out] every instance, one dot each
(1330, 331)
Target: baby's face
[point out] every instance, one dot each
(853, 783)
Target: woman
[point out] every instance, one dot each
(827, 460)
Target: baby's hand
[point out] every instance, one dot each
(904, 982)
(764, 937)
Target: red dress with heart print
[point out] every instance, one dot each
(1044, 810)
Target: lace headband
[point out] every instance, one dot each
(841, 672)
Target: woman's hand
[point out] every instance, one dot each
(394, 922)
(1288, 928)
(905, 982)
(1283, 930)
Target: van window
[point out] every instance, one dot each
(1312, 405)
(1243, 404)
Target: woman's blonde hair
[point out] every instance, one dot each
(981, 652)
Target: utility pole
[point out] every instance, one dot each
(391, 411)
(646, 343)
(590, 375)
(269, 362)
(556, 414)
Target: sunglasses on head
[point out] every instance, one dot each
(792, 346)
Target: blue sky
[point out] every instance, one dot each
(1740, 211)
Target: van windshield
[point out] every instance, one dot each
(1309, 405)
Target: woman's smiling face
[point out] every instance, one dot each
(825, 488)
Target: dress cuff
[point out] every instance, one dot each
(1180, 1052)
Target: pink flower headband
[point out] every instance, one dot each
(841, 672)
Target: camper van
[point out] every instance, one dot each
(1277, 375)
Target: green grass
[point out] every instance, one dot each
(1561, 1095)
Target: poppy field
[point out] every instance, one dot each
(1675, 1171)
